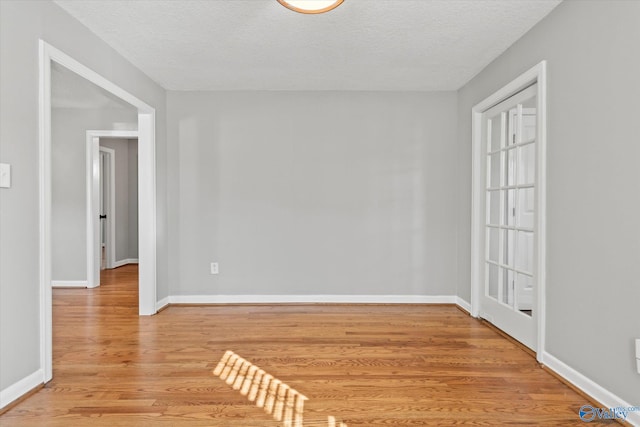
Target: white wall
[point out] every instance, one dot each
(303, 193)
(22, 23)
(69, 189)
(593, 184)
(126, 198)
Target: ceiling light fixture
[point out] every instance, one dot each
(311, 6)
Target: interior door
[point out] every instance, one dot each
(103, 223)
(525, 125)
(509, 270)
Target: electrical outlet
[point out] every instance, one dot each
(214, 268)
(638, 355)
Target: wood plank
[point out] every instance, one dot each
(365, 365)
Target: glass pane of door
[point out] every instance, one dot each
(510, 196)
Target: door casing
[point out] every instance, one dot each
(146, 194)
(536, 74)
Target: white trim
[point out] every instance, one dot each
(44, 195)
(311, 299)
(319, 299)
(521, 82)
(83, 71)
(92, 178)
(70, 284)
(20, 388)
(126, 261)
(146, 201)
(463, 304)
(590, 387)
(147, 214)
(162, 303)
(120, 134)
(541, 207)
(536, 74)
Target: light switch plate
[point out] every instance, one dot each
(5, 175)
(637, 348)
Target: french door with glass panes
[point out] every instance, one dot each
(509, 154)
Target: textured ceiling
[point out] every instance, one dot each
(260, 45)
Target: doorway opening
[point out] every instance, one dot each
(121, 239)
(146, 195)
(508, 209)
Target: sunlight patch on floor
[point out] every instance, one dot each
(284, 403)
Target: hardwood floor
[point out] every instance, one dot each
(365, 365)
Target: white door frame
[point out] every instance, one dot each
(146, 193)
(93, 201)
(537, 74)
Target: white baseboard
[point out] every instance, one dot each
(69, 284)
(463, 304)
(596, 391)
(162, 303)
(20, 388)
(331, 299)
(125, 262)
